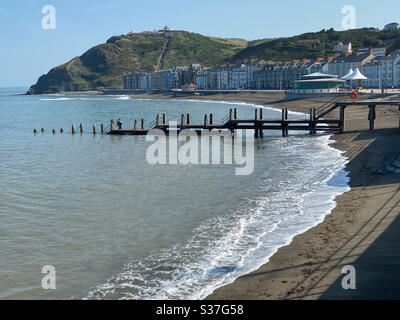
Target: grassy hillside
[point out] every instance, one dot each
(103, 66)
(286, 49)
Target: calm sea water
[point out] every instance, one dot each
(116, 227)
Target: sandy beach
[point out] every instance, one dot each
(361, 231)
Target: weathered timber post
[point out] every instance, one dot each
(261, 113)
(372, 116)
(235, 114)
(230, 114)
(42, 130)
(341, 125)
(188, 118)
(182, 121)
(34, 131)
(102, 128)
(211, 119)
(205, 121)
(255, 124)
(81, 128)
(286, 124)
(283, 123)
(142, 124)
(54, 131)
(94, 129)
(112, 125)
(164, 118)
(158, 120)
(135, 125)
(61, 130)
(73, 131)
(311, 121)
(315, 119)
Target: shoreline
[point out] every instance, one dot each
(310, 266)
(360, 231)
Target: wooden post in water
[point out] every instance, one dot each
(235, 114)
(315, 119)
(81, 128)
(34, 131)
(164, 118)
(371, 117)
(158, 120)
(286, 118)
(61, 130)
(94, 130)
(142, 123)
(205, 121)
(102, 128)
(73, 131)
(54, 131)
(188, 118)
(42, 130)
(261, 117)
(255, 124)
(311, 121)
(230, 114)
(283, 123)
(135, 125)
(112, 125)
(182, 121)
(261, 113)
(211, 119)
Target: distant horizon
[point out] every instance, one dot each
(84, 24)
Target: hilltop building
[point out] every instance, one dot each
(392, 26)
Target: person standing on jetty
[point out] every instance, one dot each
(119, 123)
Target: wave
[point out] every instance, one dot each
(249, 104)
(62, 99)
(227, 247)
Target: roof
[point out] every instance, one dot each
(320, 74)
(356, 75)
(351, 58)
(321, 80)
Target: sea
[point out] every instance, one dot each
(111, 225)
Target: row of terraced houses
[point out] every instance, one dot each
(381, 69)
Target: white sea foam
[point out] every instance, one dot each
(226, 247)
(62, 99)
(247, 104)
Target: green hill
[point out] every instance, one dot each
(103, 66)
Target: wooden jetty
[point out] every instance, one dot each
(233, 122)
(313, 123)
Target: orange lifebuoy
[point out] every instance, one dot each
(353, 95)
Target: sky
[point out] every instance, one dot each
(28, 51)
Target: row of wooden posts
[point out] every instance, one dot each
(208, 121)
(75, 130)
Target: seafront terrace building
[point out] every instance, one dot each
(283, 76)
(343, 63)
(382, 72)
